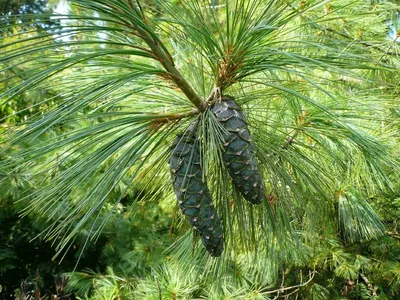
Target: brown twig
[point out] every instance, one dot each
(159, 289)
(160, 120)
(365, 44)
(282, 289)
(165, 58)
(301, 122)
(393, 234)
(163, 118)
(349, 37)
(161, 54)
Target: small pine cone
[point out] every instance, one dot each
(239, 155)
(193, 195)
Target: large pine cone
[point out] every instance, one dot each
(193, 195)
(239, 155)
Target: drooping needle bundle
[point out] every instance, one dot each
(239, 155)
(194, 197)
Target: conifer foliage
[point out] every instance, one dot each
(119, 78)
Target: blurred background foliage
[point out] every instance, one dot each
(343, 244)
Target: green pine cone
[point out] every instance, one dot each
(239, 155)
(193, 195)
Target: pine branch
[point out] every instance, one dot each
(371, 287)
(283, 289)
(349, 37)
(158, 289)
(301, 122)
(19, 74)
(366, 44)
(394, 235)
(175, 117)
(165, 58)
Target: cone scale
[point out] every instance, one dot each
(239, 154)
(193, 195)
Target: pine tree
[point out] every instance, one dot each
(314, 79)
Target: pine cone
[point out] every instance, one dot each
(239, 155)
(193, 195)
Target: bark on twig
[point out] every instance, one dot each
(294, 287)
(166, 60)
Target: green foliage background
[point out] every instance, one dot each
(90, 105)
